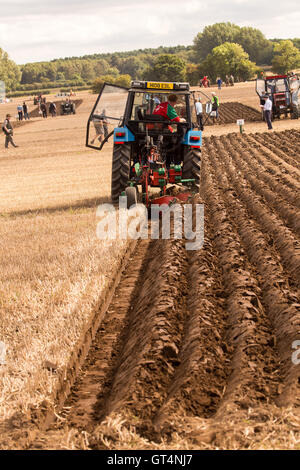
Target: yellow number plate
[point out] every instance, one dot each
(160, 86)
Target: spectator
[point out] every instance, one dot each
(215, 105)
(267, 108)
(98, 124)
(8, 131)
(44, 110)
(25, 111)
(52, 109)
(205, 82)
(20, 112)
(199, 114)
(227, 80)
(231, 80)
(219, 83)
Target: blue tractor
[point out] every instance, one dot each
(149, 150)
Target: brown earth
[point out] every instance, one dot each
(206, 336)
(230, 112)
(195, 349)
(35, 112)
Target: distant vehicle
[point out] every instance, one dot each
(68, 107)
(283, 91)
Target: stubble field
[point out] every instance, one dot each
(195, 348)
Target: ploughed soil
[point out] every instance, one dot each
(231, 111)
(198, 344)
(35, 112)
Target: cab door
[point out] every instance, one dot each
(107, 113)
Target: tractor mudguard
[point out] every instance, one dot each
(193, 138)
(122, 135)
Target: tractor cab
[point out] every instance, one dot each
(154, 142)
(283, 91)
(132, 112)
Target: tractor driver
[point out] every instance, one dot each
(167, 110)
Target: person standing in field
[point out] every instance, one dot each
(98, 124)
(231, 80)
(44, 109)
(199, 114)
(227, 80)
(20, 112)
(8, 131)
(52, 109)
(219, 83)
(267, 108)
(215, 105)
(205, 81)
(25, 111)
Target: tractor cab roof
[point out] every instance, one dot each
(174, 87)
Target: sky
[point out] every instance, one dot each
(36, 30)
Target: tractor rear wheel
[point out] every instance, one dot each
(192, 165)
(120, 170)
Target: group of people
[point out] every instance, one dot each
(23, 112)
(205, 82)
(43, 109)
(215, 103)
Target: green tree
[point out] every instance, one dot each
(101, 66)
(132, 66)
(296, 42)
(123, 80)
(253, 42)
(213, 36)
(87, 71)
(99, 82)
(10, 73)
(229, 59)
(192, 74)
(166, 67)
(286, 57)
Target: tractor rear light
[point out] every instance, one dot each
(116, 142)
(120, 134)
(195, 137)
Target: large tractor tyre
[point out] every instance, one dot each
(192, 165)
(120, 170)
(131, 194)
(295, 112)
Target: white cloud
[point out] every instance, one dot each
(32, 30)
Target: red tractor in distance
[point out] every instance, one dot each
(283, 91)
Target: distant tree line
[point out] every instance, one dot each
(219, 50)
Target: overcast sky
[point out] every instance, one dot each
(35, 30)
